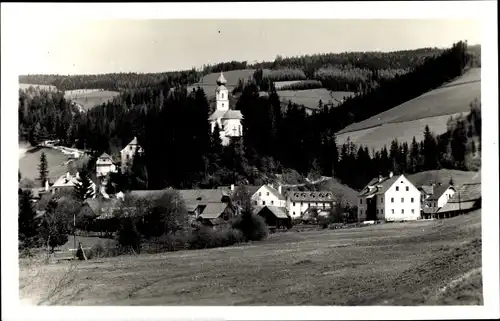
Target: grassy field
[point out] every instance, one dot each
(449, 99)
(310, 97)
(209, 81)
(416, 263)
(443, 176)
(44, 87)
(28, 164)
(378, 136)
(88, 98)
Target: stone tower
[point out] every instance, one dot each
(221, 94)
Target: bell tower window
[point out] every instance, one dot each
(222, 96)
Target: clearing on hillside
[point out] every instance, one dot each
(28, 163)
(209, 81)
(409, 119)
(310, 97)
(443, 176)
(386, 264)
(88, 98)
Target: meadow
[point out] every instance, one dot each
(310, 97)
(88, 98)
(28, 164)
(415, 263)
(209, 81)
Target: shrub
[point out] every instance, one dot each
(99, 251)
(167, 243)
(303, 85)
(128, 235)
(207, 237)
(252, 226)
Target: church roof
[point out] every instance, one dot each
(217, 114)
(221, 87)
(232, 114)
(221, 80)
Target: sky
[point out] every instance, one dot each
(103, 46)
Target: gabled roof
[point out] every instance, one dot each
(217, 114)
(202, 196)
(103, 208)
(427, 189)
(213, 210)
(276, 193)
(379, 187)
(104, 155)
(466, 193)
(462, 206)
(134, 141)
(439, 191)
(232, 114)
(308, 196)
(279, 212)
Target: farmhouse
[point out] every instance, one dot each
(439, 197)
(392, 198)
(104, 165)
(275, 216)
(298, 203)
(67, 182)
(127, 154)
(208, 206)
(228, 120)
(268, 195)
(465, 199)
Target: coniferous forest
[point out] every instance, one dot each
(171, 123)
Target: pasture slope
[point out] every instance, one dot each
(443, 176)
(88, 98)
(29, 159)
(209, 81)
(414, 263)
(409, 119)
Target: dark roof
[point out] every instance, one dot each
(213, 210)
(462, 206)
(427, 189)
(320, 196)
(232, 114)
(379, 187)
(103, 208)
(438, 191)
(202, 196)
(279, 212)
(217, 114)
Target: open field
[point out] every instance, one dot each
(378, 136)
(310, 97)
(88, 98)
(44, 87)
(415, 263)
(449, 99)
(209, 81)
(443, 176)
(28, 164)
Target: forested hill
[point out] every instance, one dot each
(329, 68)
(180, 152)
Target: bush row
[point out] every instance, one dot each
(303, 85)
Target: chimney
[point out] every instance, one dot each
(77, 175)
(46, 185)
(280, 189)
(67, 176)
(380, 178)
(232, 187)
(391, 174)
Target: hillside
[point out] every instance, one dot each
(409, 119)
(88, 98)
(209, 81)
(443, 176)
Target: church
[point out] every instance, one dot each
(228, 120)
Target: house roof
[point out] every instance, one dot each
(217, 114)
(213, 210)
(463, 206)
(427, 189)
(276, 193)
(221, 80)
(279, 212)
(378, 187)
(438, 191)
(232, 114)
(319, 196)
(104, 155)
(103, 208)
(467, 192)
(134, 142)
(147, 193)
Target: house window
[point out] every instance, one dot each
(392, 211)
(260, 193)
(361, 212)
(412, 211)
(402, 211)
(222, 104)
(360, 201)
(272, 202)
(377, 210)
(127, 156)
(381, 199)
(402, 200)
(254, 202)
(130, 148)
(397, 188)
(267, 193)
(323, 205)
(263, 202)
(392, 199)
(412, 199)
(301, 203)
(381, 211)
(407, 188)
(293, 213)
(293, 203)
(222, 96)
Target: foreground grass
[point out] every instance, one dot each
(391, 264)
(28, 163)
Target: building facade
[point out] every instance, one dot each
(127, 154)
(392, 198)
(104, 165)
(267, 195)
(227, 120)
(299, 202)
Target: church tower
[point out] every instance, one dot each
(221, 94)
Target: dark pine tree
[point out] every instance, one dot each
(43, 169)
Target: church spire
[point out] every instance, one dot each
(221, 80)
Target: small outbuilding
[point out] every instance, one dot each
(275, 217)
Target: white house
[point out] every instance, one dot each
(299, 202)
(228, 120)
(127, 154)
(104, 165)
(67, 182)
(268, 195)
(392, 198)
(440, 196)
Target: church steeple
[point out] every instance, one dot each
(221, 80)
(221, 94)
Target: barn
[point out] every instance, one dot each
(275, 216)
